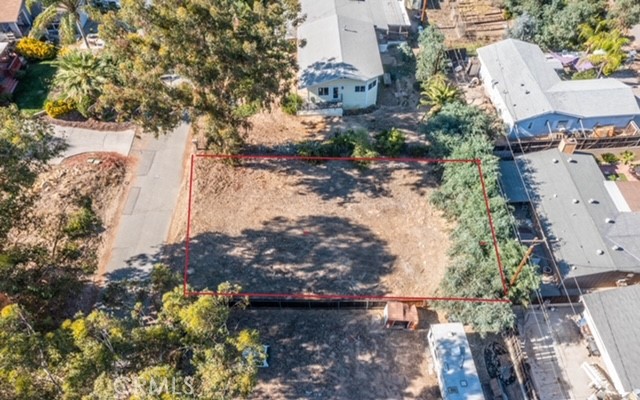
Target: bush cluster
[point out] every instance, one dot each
(34, 49)
(82, 222)
(460, 131)
(292, 103)
(57, 108)
(356, 143)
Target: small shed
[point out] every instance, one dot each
(400, 316)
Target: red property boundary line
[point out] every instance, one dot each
(477, 162)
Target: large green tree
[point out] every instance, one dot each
(25, 147)
(232, 57)
(183, 351)
(431, 59)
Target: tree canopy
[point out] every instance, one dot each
(183, 351)
(232, 57)
(431, 58)
(460, 131)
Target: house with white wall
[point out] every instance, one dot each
(532, 100)
(339, 44)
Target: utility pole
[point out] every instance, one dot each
(523, 262)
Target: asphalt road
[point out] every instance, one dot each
(148, 210)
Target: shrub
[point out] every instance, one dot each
(390, 143)
(351, 143)
(57, 108)
(588, 74)
(609, 158)
(627, 157)
(82, 222)
(292, 103)
(34, 49)
(407, 52)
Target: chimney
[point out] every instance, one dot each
(568, 145)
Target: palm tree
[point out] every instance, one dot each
(438, 92)
(80, 77)
(605, 46)
(69, 11)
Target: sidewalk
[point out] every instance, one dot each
(149, 207)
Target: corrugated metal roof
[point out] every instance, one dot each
(530, 86)
(615, 316)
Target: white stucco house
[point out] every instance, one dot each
(533, 101)
(339, 44)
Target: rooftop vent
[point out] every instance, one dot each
(576, 201)
(555, 160)
(572, 161)
(593, 201)
(616, 247)
(600, 252)
(609, 221)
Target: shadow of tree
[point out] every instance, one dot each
(325, 71)
(344, 179)
(313, 254)
(338, 354)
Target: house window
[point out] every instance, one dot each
(373, 84)
(323, 91)
(564, 124)
(359, 88)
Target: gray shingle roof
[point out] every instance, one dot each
(615, 315)
(530, 86)
(578, 230)
(339, 41)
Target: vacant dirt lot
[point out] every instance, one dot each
(333, 228)
(331, 354)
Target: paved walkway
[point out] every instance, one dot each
(85, 140)
(146, 217)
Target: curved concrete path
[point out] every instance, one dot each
(81, 140)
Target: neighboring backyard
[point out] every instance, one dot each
(34, 86)
(332, 354)
(283, 226)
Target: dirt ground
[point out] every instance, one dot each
(333, 228)
(338, 354)
(101, 177)
(98, 176)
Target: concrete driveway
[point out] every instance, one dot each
(148, 210)
(85, 140)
